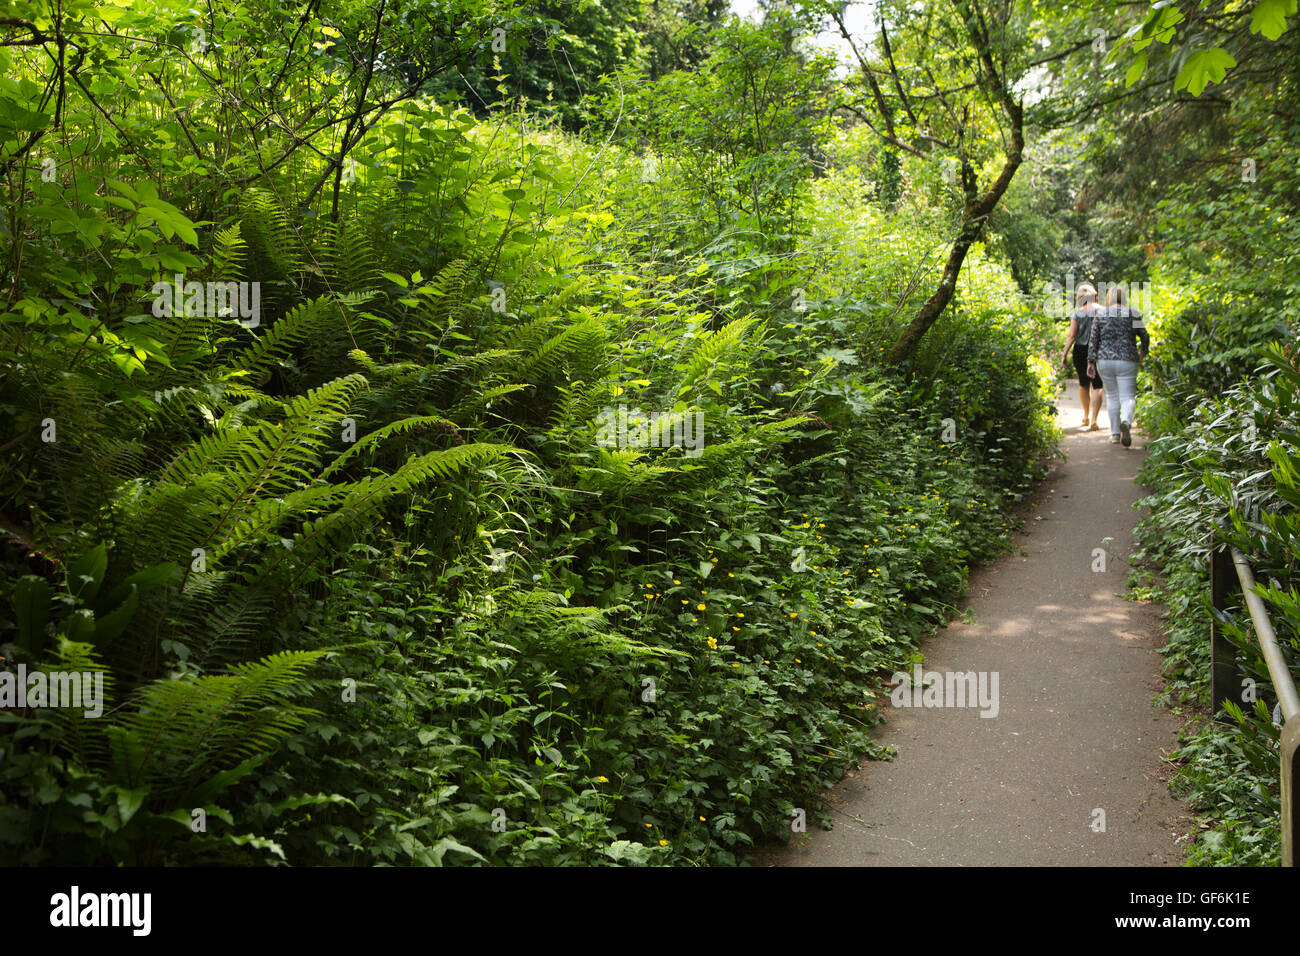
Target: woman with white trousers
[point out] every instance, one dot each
(1113, 353)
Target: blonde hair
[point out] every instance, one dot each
(1084, 293)
(1116, 295)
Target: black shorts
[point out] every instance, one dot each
(1081, 366)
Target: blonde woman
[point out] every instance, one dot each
(1090, 385)
(1114, 354)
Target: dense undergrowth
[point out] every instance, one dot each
(398, 573)
(531, 466)
(1222, 409)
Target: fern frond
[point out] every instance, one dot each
(447, 300)
(484, 399)
(365, 361)
(269, 236)
(470, 368)
(402, 426)
(268, 514)
(541, 618)
(583, 341)
(713, 347)
(366, 496)
(350, 261)
(228, 252)
(758, 438)
(216, 483)
(619, 471)
(207, 453)
(219, 616)
(290, 330)
(182, 730)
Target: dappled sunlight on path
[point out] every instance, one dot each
(1067, 768)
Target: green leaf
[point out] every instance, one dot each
(31, 603)
(79, 626)
(225, 779)
(261, 843)
(1158, 27)
(86, 574)
(146, 579)
(1269, 17)
(308, 800)
(123, 188)
(440, 849)
(111, 625)
(1136, 69)
(129, 802)
(1203, 67)
(185, 817)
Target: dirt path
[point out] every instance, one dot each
(1075, 731)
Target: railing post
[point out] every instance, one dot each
(1290, 799)
(1223, 575)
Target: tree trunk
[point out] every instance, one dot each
(976, 208)
(974, 216)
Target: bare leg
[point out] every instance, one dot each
(1097, 395)
(1083, 399)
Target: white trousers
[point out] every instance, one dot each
(1120, 379)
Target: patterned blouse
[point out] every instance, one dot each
(1115, 335)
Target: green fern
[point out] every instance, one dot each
(363, 498)
(270, 238)
(620, 471)
(713, 348)
(229, 250)
(180, 732)
(286, 333)
(582, 344)
(401, 426)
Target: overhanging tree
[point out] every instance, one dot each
(941, 82)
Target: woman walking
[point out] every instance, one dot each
(1113, 353)
(1090, 386)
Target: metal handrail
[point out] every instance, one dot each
(1278, 672)
(1223, 679)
